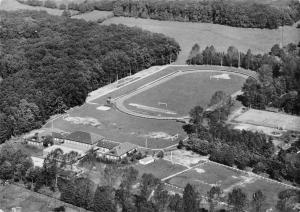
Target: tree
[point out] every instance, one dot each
(176, 203)
(237, 199)
(48, 141)
(190, 199)
(103, 199)
(258, 199)
(233, 55)
(213, 196)
(287, 200)
(148, 183)
(161, 197)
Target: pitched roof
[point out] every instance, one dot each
(84, 137)
(122, 149)
(104, 143)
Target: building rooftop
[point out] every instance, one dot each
(104, 143)
(84, 137)
(122, 149)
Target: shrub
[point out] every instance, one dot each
(50, 4)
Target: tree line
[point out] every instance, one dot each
(231, 13)
(123, 188)
(279, 70)
(50, 63)
(86, 6)
(210, 135)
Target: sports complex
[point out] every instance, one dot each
(148, 108)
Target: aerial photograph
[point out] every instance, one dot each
(149, 105)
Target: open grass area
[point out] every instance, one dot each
(270, 119)
(183, 92)
(16, 196)
(94, 15)
(209, 174)
(13, 5)
(159, 168)
(205, 34)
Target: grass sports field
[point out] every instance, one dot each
(205, 34)
(209, 174)
(179, 93)
(122, 127)
(270, 119)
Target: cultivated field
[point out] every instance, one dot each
(270, 119)
(209, 174)
(187, 34)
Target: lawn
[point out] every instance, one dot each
(206, 175)
(12, 5)
(159, 168)
(94, 15)
(183, 92)
(16, 196)
(205, 34)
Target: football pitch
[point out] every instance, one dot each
(209, 174)
(170, 92)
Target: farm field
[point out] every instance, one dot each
(209, 174)
(205, 34)
(184, 91)
(270, 119)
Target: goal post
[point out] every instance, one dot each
(163, 103)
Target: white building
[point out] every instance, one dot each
(146, 160)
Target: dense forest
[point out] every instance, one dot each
(232, 13)
(50, 63)
(278, 70)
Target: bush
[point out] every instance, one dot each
(50, 4)
(34, 3)
(62, 7)
(160, 154)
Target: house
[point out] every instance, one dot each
(104, 146)
(82, 139)
(121, 151)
